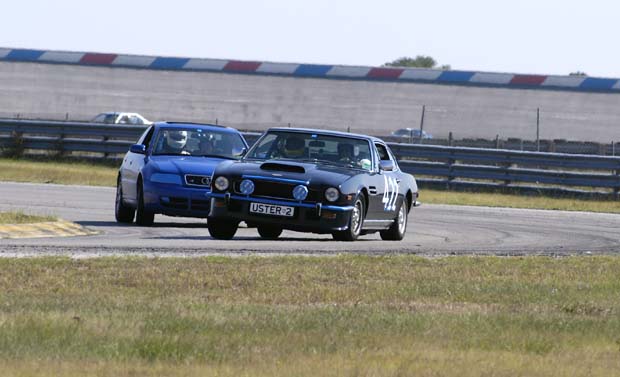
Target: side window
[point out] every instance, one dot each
(266, 147)
(146, 137)
(383, 153)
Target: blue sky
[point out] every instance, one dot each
(527, 36)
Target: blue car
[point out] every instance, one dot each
(169, 170)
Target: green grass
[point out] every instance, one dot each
(67, 171)
(518, 201)
(61, 171)
(282, 316)
(19, 217)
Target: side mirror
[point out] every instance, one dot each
(138, 148)
(386, 165)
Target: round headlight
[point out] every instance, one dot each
(332, 194)
(300, 192)
(246, 187)
(221, 183)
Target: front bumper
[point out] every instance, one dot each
(177, 200)
(308, 217)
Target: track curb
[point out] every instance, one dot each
(59, 228)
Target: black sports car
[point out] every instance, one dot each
(313, 181)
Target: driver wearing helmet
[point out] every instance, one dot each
(294, 147)
(175, 141)
(346, 153)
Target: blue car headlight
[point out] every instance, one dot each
(246, 187)
(300, 192)
(172, 179)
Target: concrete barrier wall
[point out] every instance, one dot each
(255, 102)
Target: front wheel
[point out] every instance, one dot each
(222, 229)
(269, 232)
(355, 222)
(144, 217)
(396, 232)
(122, 212)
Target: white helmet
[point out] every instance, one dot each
(177, 139)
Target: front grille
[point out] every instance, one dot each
(198, 180)
(273, 189)
(278, 190)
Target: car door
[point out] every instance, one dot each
(390, 185)
(132, 166)
(374, 180)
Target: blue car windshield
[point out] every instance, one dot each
(313, 147)
(199, 142)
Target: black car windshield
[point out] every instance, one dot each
(315, 147)
(198, 142)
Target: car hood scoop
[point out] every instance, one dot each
(275, 166)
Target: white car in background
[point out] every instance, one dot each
(413, 133)
(121, 118)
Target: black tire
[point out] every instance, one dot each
(397, 231)
(222, 229)
(355, 222)
(122, 212)
(144, 217)
(269, 232)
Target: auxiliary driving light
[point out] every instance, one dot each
(300, 192)
(246, 187)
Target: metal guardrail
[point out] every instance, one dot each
(449, 166)
(510, 168)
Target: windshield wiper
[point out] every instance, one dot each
(216, 156)
(170, 154)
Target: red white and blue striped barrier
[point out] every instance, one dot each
(510, 80)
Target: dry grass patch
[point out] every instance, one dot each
(19, 217)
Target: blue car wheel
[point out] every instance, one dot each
(122, 212)
(144, 217)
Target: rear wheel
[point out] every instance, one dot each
(144, 217)
(222, 229)
(269, 232)
(396, 232)
(122, 212)
(355, 222)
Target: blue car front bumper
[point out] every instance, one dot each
(177, 200)
(307, 217)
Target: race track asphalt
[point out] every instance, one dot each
(434, 230)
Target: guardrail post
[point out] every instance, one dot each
(60, 150)
(105, 142)
(507, 166)
(616, 188)
(17, 144)
(450, 177)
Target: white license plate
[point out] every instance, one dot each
(272, 209)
